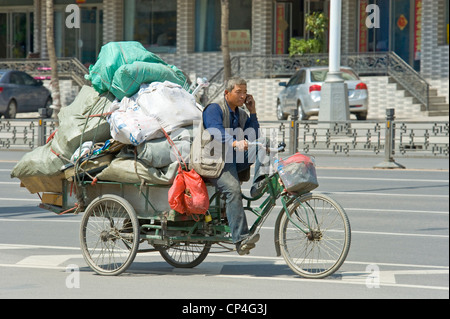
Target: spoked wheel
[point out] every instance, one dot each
(315, 240)
(185, 255)
(109, 235)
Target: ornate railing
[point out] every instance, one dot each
(69, 68)
(365, 138)
(373, 63)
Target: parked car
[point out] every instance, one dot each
(19, 93)
(303, 92)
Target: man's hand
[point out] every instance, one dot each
(240, 145)
(250, 104)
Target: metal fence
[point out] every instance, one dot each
(385, 138)
(369, 63)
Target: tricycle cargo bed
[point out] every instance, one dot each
(149, 201)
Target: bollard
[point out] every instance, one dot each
(42, 128)
(293, 132)
(389, 143)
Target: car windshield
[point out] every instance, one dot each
(1, 74)
(321, 75)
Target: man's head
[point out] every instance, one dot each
(235, 92)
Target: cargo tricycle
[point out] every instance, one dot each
(312, 231)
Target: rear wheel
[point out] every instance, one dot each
(109, 235)
(49, 103)
(301, 113)
(315, 238)
(360, 116)
(185, 255)
(11, 110)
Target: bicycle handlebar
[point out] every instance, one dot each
(280, 149)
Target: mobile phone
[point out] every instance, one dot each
(247, 100)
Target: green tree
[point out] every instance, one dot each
(54, 83)
(317, 24)
(225, 7)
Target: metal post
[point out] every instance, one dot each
(334, 105)
(293, 132)
(42, 128)
(389, 143)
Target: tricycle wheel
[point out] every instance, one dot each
(109, 235)
(185, 255)
(315, 237)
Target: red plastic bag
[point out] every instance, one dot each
(188, 194)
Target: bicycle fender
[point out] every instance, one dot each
(277, 233)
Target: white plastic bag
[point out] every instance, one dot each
(169, 103)
(130, 125)
(139, 118)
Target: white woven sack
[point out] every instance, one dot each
(169, 103)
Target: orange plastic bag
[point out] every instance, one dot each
(188, 194)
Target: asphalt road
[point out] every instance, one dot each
(400, 245)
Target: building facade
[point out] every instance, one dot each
(187, 32)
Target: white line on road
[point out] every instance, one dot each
(385, 277)
(382, 233)
(20, 199)
(384, 194)
(385, 179)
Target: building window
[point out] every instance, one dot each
(16, 33)
(84, 42)
(152, 23)
(208, 20)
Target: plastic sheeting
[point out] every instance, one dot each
(117, 70)
(39, 170)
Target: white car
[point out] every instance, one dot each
(302, 92)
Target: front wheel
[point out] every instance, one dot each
(315, 238)
(280, 114)
(109, 235)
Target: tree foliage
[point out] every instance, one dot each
(317, 24)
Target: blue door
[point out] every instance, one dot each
(402, 29)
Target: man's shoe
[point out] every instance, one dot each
(244, 247)
(258, 186)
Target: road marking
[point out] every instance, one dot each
(380, 233)
(384, 194)
(46, 260)
(21, 246)
(214, 268)
(396, 211)
(62, 220)
(385, 179)
(20, 199)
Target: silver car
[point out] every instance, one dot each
(19, 92)
(302, 92)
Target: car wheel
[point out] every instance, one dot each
(361, 116)
(280, 115)
(11, 111)
(47, 106)
(301, 114)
